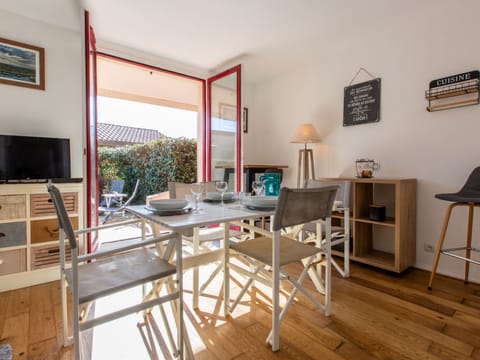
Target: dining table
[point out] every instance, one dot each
(188, 224)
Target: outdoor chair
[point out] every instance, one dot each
(93, 276)
(119, 210)
(271, 252)
(116, 187)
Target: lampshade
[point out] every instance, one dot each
(306, 133)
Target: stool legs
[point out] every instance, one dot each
(469, 241)
(438, 251)
(440, 243)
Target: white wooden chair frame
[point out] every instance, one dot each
(278, 272)
(69, 275)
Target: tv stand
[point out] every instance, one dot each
(29, 248)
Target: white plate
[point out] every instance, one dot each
(216, 196)
(169, 204)
(264, 201)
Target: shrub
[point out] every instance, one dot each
(155, 164)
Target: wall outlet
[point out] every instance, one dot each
(428, 248)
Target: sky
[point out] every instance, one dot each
(169, 121)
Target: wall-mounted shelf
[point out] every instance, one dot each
(463, 87)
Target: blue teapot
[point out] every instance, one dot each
(272, 183)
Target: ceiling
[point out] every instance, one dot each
(267, 36)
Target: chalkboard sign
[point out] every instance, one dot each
(361, 103)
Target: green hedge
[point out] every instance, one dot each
(155, 164)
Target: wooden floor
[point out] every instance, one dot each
(375, 315)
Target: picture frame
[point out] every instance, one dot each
(22, 64)
(245, 120)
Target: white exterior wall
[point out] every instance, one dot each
(439, 148)
(58, 110)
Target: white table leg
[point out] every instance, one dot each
(226, 269)
(275, 341)
(196, 249)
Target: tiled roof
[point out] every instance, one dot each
(118, 135)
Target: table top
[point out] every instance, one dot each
(208, 214)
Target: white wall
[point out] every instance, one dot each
(440, 148)
(58, 110)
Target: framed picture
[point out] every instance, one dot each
(22, 64)
(245, 120)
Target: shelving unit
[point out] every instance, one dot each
(459, 90)
(29, 252)
(389, 244)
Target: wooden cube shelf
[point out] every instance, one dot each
(389, 244)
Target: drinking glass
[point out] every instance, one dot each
(197, 190)
(222, 188)
(257, 186)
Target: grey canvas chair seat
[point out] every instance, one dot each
(469, 196)
(107, 276)
(94, 276)
(269, 253)
(260, 248)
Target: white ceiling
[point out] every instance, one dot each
(268, 36)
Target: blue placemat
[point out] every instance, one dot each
(5, 352)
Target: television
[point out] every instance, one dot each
(34, 158)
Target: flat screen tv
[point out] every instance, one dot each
(34, 158)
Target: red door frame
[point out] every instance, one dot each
(90, 48)
(238, 157)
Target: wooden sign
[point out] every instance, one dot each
(361, 103)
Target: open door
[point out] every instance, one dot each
(91, 131)
(223, 125)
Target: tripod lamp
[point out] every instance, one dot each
(305, 134)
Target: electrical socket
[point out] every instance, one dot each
(428, 248)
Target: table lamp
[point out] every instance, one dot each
(305, 134)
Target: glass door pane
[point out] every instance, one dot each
(224, 129)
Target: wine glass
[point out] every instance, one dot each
(197, 190)
(221, 188)
(257, 186)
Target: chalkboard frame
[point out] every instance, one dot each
(365, 116)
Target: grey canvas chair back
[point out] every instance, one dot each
(299, 206)
(178, 190)
(63, 220)
(343, 192)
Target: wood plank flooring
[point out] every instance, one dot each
(375, 315)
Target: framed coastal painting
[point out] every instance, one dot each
(22, 64)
